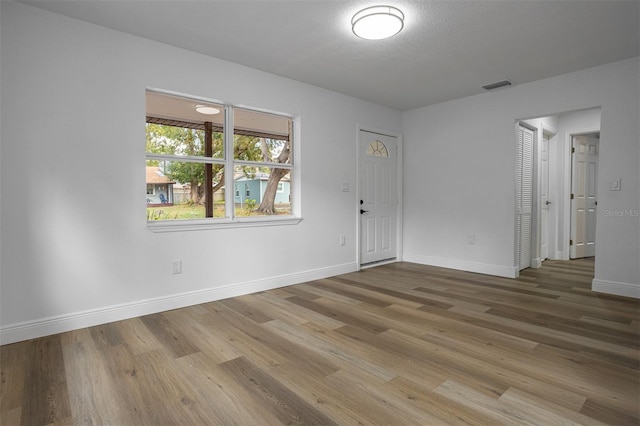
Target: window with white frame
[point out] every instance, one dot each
(188, 141)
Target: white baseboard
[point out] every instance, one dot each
(617, 288)
(58, 324)
(536, 263)
(481, 268)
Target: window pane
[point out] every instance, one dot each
(180, 190)
(175, 127)
(172, 140)
(261, 137)
(377, 149)
(262, 191)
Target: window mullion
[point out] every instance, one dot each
(229, 155)
(264, 164)
(184, 158)
(208, 170)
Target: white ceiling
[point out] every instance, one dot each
(447, 50)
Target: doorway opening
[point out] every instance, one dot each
(544, 225)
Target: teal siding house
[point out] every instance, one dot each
(253, 189)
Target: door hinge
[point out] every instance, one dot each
(572, 196)
(573, 149)
(570, 242)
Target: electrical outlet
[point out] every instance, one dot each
(471, 239)
(176, 267)
(343, 240)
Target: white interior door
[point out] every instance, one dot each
(584, 176)
(524, 196)
(544, 196)
(378, 197)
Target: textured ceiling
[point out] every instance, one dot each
(447, 50)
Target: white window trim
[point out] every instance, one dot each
(205, 224)
(230, 221)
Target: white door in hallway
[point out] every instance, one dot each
(378, 204)
(584, 178)
(544, 196)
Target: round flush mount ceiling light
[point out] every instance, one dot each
(207, 110)
(377, 22)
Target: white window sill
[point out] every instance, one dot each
(205, 224)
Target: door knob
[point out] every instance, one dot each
(548, 202)
(363, 211)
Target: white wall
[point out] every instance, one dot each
(75, 245)
(459, 173)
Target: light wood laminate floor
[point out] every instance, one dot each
(394, 345)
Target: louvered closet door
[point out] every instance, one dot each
(524, 196)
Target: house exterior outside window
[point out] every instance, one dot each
(159, 187)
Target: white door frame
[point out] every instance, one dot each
(399, 175)
(566, 193)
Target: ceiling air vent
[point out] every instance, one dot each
(497, 85)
